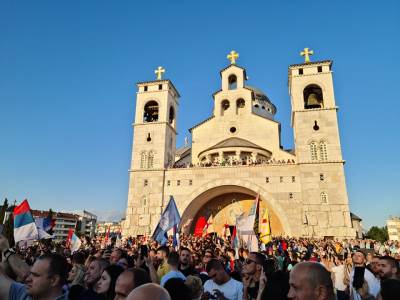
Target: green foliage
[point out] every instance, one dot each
(378, 233)
(3, 211)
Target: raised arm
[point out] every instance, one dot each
(5, 282)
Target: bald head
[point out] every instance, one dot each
(316, 273)
(149, 291)
(310, 281)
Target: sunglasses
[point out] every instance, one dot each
(249, 261)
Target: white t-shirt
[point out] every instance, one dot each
(374, 285)
(339, 277)
(232, 290)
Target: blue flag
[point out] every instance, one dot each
(168, 220)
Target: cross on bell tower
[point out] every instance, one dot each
(306, 53)
(233, 56)
(159, 72)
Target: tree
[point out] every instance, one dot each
(8, 231)
(3, 211)
(378, 233)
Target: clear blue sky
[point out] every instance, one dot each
(68, 72)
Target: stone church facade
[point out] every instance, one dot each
(236, 154)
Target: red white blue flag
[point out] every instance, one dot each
(24, 224)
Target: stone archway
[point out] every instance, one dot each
(218, 200)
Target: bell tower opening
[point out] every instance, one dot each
(240, 103)
(232, 82)
(171, 117)
(224, 106)
(313, 97)
(150, 112)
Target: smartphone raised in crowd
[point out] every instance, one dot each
(143, 251)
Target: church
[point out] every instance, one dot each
(235, 155)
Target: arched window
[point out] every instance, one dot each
(171, 117)
(313, 97)
(322, 151)
(150, 113)
(150, 160)
(313, 151)
(224, 106)
(232, 82)
(143, 160)
(324, 198)
(240, 103)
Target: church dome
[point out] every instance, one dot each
(261, 100)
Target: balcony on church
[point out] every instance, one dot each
(232, 157)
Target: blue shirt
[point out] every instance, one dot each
(18, 292)
(172, 274)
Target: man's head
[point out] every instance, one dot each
(253, 263)
(162, 253)
(359, 258)
(173, 260)
(129, 280)
(388, 268)
(47, 276)
(115, 256)
(231, 253)
(390, 289)
(94, 271)
(149, 291)
(208, 255)
(310, 281)
(374, 265)
(216, 271)
(184, 256)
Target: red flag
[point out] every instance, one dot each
(107, 234)
(234, 239)
(22, 208)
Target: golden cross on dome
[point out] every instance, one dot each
(233, 56)
(159, 72)
(306, 53)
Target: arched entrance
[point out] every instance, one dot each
(223, 204)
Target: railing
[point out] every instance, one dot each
(234, 163)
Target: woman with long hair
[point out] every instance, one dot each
(105, 287)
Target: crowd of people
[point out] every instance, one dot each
(202, 268)
(234, 162)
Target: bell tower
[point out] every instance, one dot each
(154, 142)
(325, 205)
(314, 112)
(154, 147)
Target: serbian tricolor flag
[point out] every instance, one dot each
(73, 241)
(235, 242)
(24, 224)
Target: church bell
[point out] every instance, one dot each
(312, 101)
